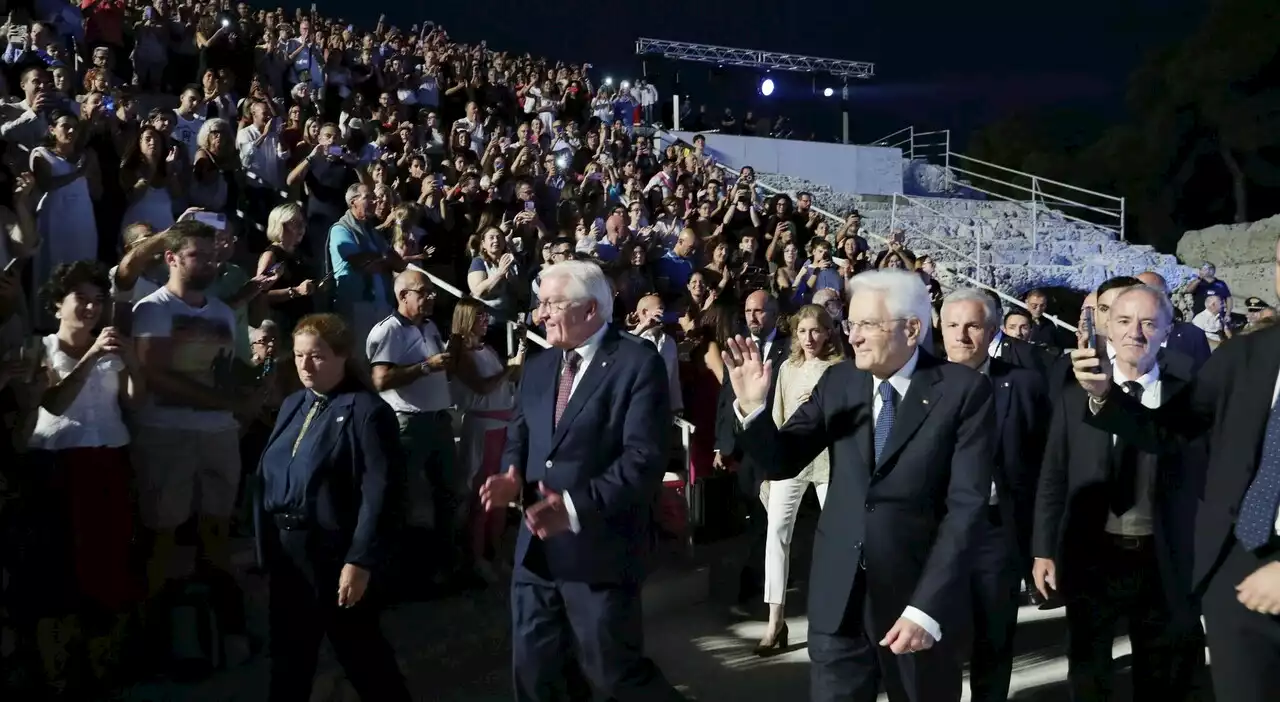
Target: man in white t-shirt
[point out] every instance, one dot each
(188, 121)
(1212, 319)
(409, 365)
(187, 443)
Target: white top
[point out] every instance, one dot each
(901, 382)
(93, 419)
(1210, 323)
(671, 359)
(263, 161)
(143, 287)
(1138, 521)
(487, 364)
(187, 130)
(204, 347)
(397, 341)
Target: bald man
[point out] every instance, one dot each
(673, 271)
(408, 370)
(1185, 337)
(646, 324)
(615, 237)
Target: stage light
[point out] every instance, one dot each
(626, 85)
(828, 92)
(608, 80)
(766, 87)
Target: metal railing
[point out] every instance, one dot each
(685, 427)
(836, 221)
(1042, 195)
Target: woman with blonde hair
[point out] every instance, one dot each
(482, 388)
(215, 158)
(814, 349)
(289, 297)
(405, 236)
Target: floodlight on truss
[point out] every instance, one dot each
(749, 58)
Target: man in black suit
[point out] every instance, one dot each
(910, 438)
(1115, 525)
(1017, 352)
(1184, 337)
(1002, 557)
(761, 318)
(1045, 333)
(586, 450)
(1237, 560)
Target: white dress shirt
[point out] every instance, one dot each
(901, 382)
(993, 349)
(1138, 520)
(587, 350)
(1275, 395)
(671, 359)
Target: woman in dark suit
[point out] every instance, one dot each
(326, 472)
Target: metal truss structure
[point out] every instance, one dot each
(749, 58)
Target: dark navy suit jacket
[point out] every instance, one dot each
(608, 453)
(1022, 421)
(912, 516)
(356, 469)
(1189, 340)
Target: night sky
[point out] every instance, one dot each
(938, 65)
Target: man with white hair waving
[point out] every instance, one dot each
(586, 452)
(911, 439)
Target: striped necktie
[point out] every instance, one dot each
(316, 405)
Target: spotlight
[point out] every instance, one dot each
(608, 80)
(828, 92)
(766, 87)
(626, 85)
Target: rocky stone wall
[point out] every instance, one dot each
(1244, 255)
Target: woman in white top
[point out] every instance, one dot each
(92, 376)
(151, 178)
(814, 348)
(482, 388)
(69, 178)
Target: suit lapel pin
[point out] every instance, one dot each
(925, 401)
(1006, 383)
(341, 418)
(603, 364)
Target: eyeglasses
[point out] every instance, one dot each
(868, 326)
(555, 307)
(423, 292)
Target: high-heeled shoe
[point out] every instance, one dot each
(768, 648)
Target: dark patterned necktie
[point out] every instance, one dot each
(1257, 521)
(1124, 472)
(570, 371)
(888, 411)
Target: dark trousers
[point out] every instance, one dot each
(1245, 645)
(303, 591)
(1124, 583)
(600, 625)
(996, 577)
(850, 664)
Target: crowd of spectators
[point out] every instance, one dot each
(183, 182)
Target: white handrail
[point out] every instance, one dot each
(1041, 179)
(663, 134)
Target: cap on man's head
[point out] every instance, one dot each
(1255, 304)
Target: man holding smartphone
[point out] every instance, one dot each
(262, 156)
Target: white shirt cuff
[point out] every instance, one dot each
(744, 421)
(924, 620)
(574, 525)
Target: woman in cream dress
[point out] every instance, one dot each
(814, 348)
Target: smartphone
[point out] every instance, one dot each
(1090, 335)
(335, 151)
(274, 268)
(530, 206)
(217, 220)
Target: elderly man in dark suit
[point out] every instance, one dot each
(586, 450)
(1003, 556)
(911, 439)
(1114, 526)
(1232, 401)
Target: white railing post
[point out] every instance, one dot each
(893, 214)
(977, 255)
(946, 165)
(511, 337)
(675, 113)
(911, 136)
(1035, 218)
(1122, 213)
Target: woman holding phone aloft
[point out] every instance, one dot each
(326, 472)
